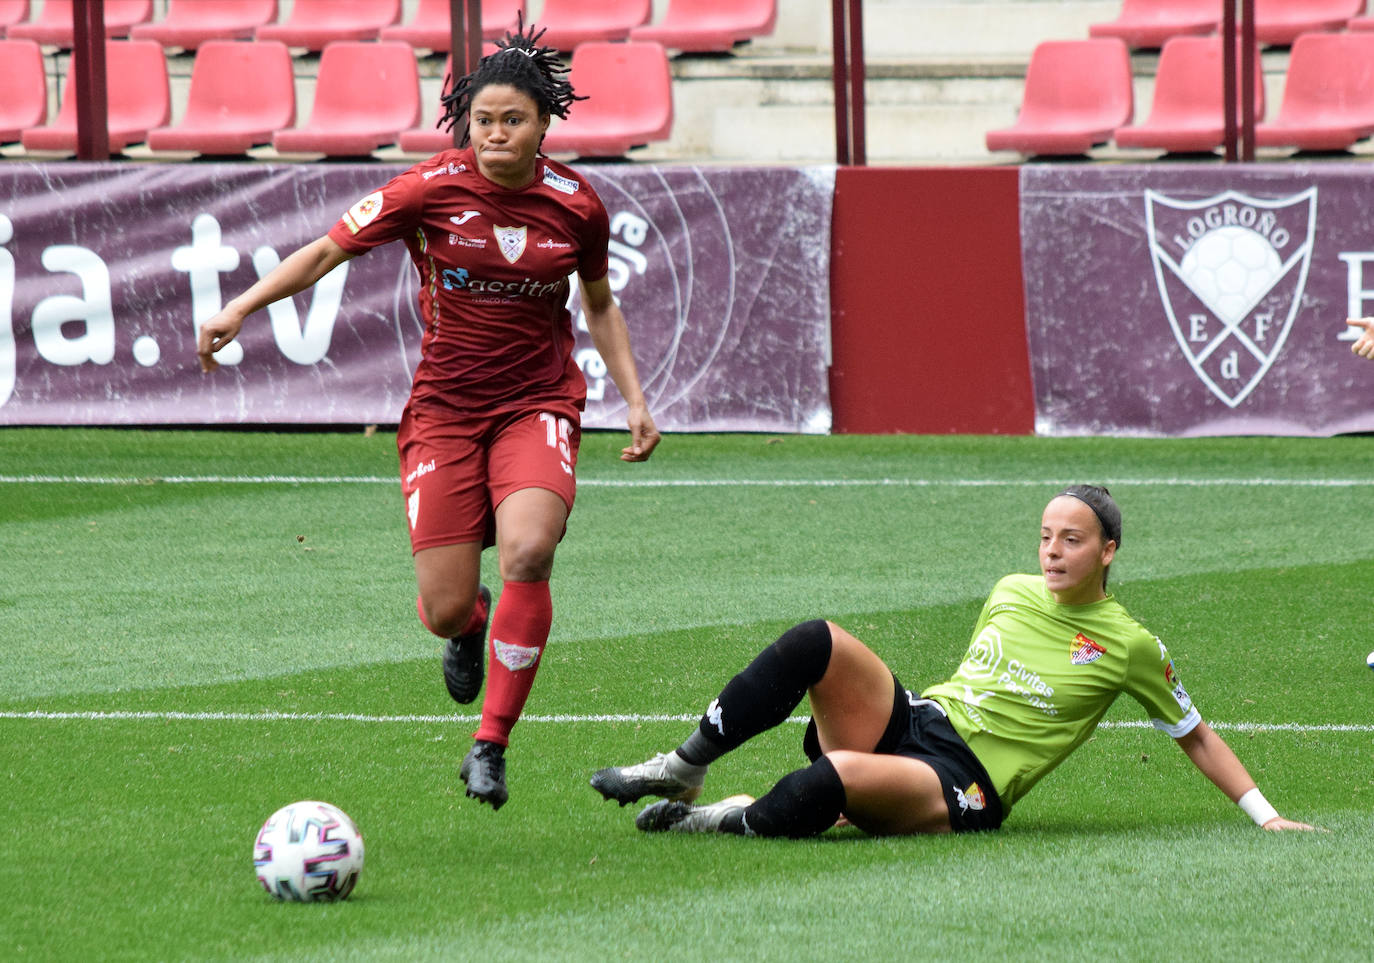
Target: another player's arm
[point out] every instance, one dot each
(301, 269)
(611, 337)
(1214, 758)
(1364, 345)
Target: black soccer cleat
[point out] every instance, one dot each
(484, 770)
(465, 658)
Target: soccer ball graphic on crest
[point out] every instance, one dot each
(308, 852)
(1230, 269)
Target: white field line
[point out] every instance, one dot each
(40, 715)
(697, 482)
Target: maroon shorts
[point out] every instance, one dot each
(454, 473)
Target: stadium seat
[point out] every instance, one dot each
(313, 24)
(1186, 115)
(53, 24)
(1148, 23)
(1281, 22)
(23, 88)
(365, 95)
(567, 23)
(709, 26)
(630, 100)
(242, 92)
(139, 99)
(1328, 94)
(189, 23)
(1078, 92)
(12, 12)
(430, 27)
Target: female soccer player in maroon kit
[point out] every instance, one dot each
(488, 440)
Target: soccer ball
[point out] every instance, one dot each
(307, 852)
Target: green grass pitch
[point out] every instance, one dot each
(198, 627)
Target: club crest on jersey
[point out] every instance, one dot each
(1084, 650)
(1231, 270)
(971, 798)
(511, 241)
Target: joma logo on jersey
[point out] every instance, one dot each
(1231, 271)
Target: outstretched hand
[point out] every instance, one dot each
(1364, 346)
(214, 335)
(644, 436)
(1278, 824)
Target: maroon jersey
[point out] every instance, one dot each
(493, 266)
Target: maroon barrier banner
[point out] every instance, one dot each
(1198, 300)
(106, 271)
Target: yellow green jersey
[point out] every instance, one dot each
(1039, 676)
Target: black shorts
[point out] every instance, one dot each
(920, 730)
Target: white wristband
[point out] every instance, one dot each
(1257, 807)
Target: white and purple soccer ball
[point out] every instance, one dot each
(308, 852)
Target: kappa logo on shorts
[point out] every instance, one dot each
(1084, 650)
(413, 507)
(1231, 270)
(971, 798)
(511, 241)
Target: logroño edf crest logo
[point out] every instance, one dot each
(1231, 271)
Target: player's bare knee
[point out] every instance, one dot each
(448, 615)
(526, 559)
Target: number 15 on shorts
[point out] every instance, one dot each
(558, 434)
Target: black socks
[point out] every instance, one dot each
(764, 694)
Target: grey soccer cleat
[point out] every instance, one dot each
(666, 774)
(681, 817)
(484, 770)
(464, 657)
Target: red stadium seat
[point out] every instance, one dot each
(53, 25)
(1280, 22)
(1186, 115)
(365, 95)
(430, 27)
(12, 12)
(567, 23)
(313, 24)
(1328, 94)
(23, 88)
(189, 23)
(1360, 23)
(1148, 23)
(1078, 92)
(710, 26)
(630, 100)
(242, 92)
(139, 99)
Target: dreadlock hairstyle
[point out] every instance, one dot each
(519, 62)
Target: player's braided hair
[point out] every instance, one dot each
(520, 62)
